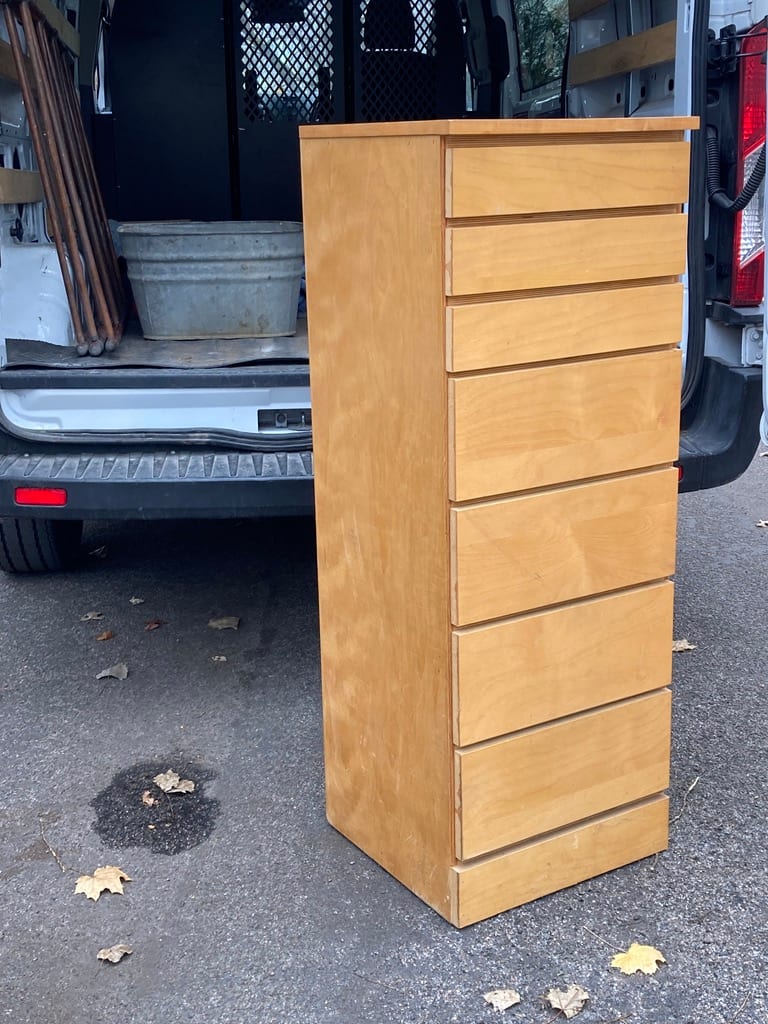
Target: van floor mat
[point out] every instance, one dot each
(136, 351)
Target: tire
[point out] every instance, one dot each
(38, 545)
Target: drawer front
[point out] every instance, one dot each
(555, 775)
(540, 667)
(552, 424)
(565, 325)
(552, 253)
(572, 855)
(528, 552)
(490, 181)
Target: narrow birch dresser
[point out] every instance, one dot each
(494, 315)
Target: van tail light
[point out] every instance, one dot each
(55, 497)
(748, 236)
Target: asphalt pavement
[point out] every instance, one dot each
(245, 907)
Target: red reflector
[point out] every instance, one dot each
(748, 238)
(679, 473)
(41, 496)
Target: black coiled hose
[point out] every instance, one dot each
(715, 190)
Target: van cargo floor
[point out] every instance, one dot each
(135, 351)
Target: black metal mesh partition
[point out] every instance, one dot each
(411, 60)
(287, 60)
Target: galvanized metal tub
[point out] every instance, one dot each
(217, 279)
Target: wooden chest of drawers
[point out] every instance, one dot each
(494, 313)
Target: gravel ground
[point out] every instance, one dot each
(263, 913)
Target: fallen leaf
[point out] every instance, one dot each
(682, 645)
(153, 827)
(227, 622)
(569, 1001)
(114, 954)
(638, 958)
(109, 877)
(114, 672)
(106, 635)
(92, 617)
(218, 657)
(101, 552)
(762, 522)
(136, 600)
(153, 624)
(171, 782)
(502, 998)
(147, 799)
(763, 454)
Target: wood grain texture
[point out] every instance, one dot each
(20, 186)
(563, 325)
(530, 670)
(518, 179)
(527, 552)
(373, 230)
(552, 253)
(534, 869)
(522, 429)
(492, 129)
(643, 50)
(554, 775)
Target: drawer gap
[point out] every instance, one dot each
(526, 844)
(566, 719)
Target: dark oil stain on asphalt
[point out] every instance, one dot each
(176, 822)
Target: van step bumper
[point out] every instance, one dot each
(719, 442)
(162, 485)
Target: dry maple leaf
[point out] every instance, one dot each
(171, 782)
(682, 645)
(106, 635)
(114, 954)
(136, 600)
(92, 617)
(109, 877)
(569, 1001)
(762, 522)
(153, 624)
(638, 958)
(119, 671)
(502, 998)
(227, 622)
(147, 799)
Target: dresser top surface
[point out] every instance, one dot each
(472, 127)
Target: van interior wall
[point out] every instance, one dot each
(164, 151)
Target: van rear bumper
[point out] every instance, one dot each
(194, 484)
(720, 441)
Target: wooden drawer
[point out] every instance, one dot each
(564, 325)
(490, 181)
(531, 428)
(523, 553)
(534, 669)
(571, 855)
(555, 775)
(551, 253)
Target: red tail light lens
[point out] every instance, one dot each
(748, 238)
(51, 496)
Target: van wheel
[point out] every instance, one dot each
(38, 545)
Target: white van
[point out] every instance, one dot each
(192, 110)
